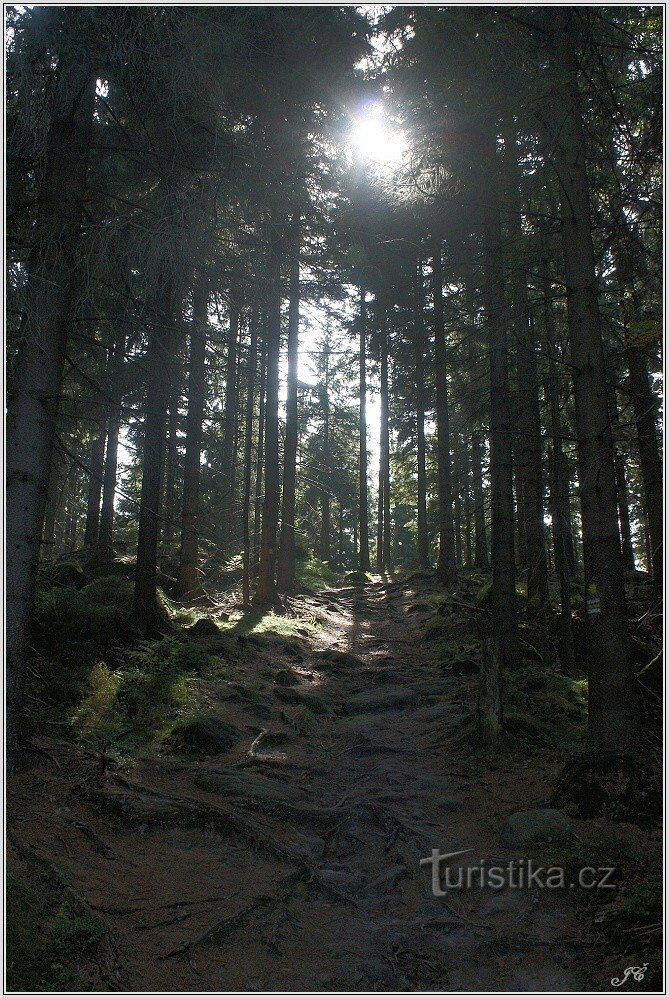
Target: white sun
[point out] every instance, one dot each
(375, 139)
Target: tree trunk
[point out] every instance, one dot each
(489, 705)
(158, 362)
(96, 464)
(325, 491)
(248, 457)
(229, 424)
(266, 590)
(383, 555)
(613, 723)
(504, 614)
(531, 505)
(621, 483)
(57, 479)
(105, 548)
(481, 559)
(446, 566)
(37, 372)
(187, 578)
(422, 543)
(172, 465)
(650, 463)
(363, 512)
(562, 542)
(258, 500)
(286, 569)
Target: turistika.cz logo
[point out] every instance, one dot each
(519, 874)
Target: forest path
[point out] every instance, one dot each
(303, 871)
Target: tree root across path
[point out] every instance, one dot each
(261, 837)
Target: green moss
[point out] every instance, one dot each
(46, 943)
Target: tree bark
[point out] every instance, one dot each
(531, 498)
(383, 554)
(96, 464)
(187, 578)
(613, 723)
(158, 362)
(105, 547)
(286, 569)
(38, 368)
(504, 613)
(266, 592)
(258, 494)
(650, 463)
(229, 423)
(325, 490)
(561, 524)
(446, 566)
(248, 457)
(363, 512)
(422, 543)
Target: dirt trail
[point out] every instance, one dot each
(330, 895)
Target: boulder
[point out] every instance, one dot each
(543, 824)
(209, 735)
(204, 628)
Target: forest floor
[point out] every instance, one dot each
(291, 862)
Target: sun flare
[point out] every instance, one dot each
(375, 139)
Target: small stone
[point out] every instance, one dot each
(539, 825)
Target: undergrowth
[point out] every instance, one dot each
(46, 943)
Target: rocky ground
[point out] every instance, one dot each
(290, 861)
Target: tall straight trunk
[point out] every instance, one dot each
(172, 465)
(363, 511)
(187, 578)
(468, 522)
(96, 464)
(105, 547)
(248, 456)
(266, 589)
(260, 457)
(481, 559)
(340, 537)
(643, 401)
(37, 372)
(561, 524)
(286, 569)
(72, 521)
(384, 469)
(560, 499)
(446, 566)
(422, 543)
(229, 423)
(56, 485)
(476, 451)
(621, 482)
(531, 505)
(379, 522)
(504, 612)
(650, 463)
(457, 515)
(158, 363)
(325, 491)
(613, 722)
